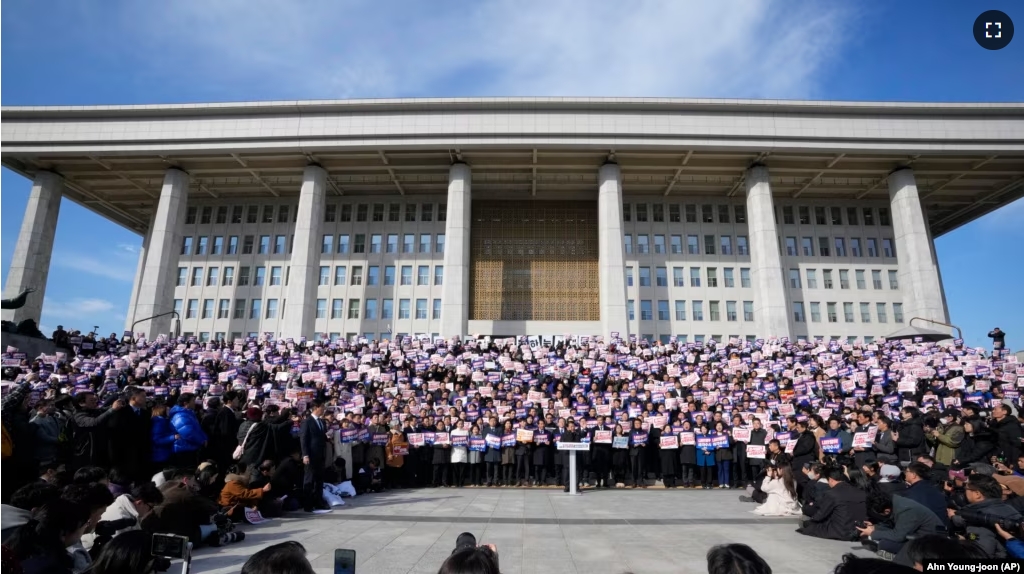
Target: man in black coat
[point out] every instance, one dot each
(839, 509)
(92, 430)
(863, 456)
(541, 453)
(805, 450)
(569, 435)
(224, 437)
(313, 440)
(910, 440)
(1007, 430)
(601, 457)
(131, 437)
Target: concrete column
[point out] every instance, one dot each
(130, 316)
(31, 261)
(611, 253)
(920, 283)
(156, 293)
(300, 312)
(770, 307)
(455, 290)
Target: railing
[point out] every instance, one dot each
(177, 322)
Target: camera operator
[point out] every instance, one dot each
(908, 519)
(129, 553)
(1014, 546)
(1007, 430)
(126, 513)
(985, 508)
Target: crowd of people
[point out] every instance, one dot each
(221, 430)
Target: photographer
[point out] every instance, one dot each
(909, 438)
(946, 437)
(129, 553)
(124, 514)
(1007, 430)
(985, 508)
(908, 518)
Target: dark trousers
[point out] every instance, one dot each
(493, 474)
(707, 475)
(669, 480)
(638, 470)
(313, 485)
(459, 474)
(441, 474)
(540, 474)
(187, 459)
(523, 467)
(507, 470)
(392, 476)
(561, 471)
(687, 474)
(566, 479)
(474, 473)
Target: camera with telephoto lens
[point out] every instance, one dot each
(167, 547)
(982, 519)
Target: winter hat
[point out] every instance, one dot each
(254, 414)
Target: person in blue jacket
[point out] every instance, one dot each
(164, 435)
(705, 460)
(190, 433)
(1014, 546)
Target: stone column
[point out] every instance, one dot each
(31, 260)
(130, 316)
(300, 312)
(920, 283)
(156, 293)
(455, 290)
(611, 254)
(770, 306)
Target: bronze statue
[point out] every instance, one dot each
(18, 302)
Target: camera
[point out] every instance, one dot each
(167, 547)
(982, 519)
(111, 527)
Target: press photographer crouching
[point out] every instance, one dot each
(985, 510)
(124, 514)
(895, 520)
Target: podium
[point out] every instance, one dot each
(572, 447)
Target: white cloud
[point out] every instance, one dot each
(116, 267)
(82, 313)
(332, 49)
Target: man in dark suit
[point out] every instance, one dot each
(131, 437)
(224, 437)
(839, 509)
(570, 435)
(313, 440)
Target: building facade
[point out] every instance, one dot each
(651, 218)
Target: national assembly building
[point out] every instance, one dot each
(658, 218)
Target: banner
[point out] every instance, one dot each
(670, 441)
(755, 451)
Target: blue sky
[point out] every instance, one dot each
(87, 52)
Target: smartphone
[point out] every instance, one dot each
(171, 546)
(344, 561)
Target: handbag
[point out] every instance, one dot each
(240, 449)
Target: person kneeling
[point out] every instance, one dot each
(236, 496)
(909, 519)
(839, 509)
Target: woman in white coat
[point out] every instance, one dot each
(780, 486)
(460, 454)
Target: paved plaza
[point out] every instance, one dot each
(537, 531)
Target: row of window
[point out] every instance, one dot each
(340, 276)
(831, 311)
(723, 245)
(204, 336)
(837, 247)
(699, 339)
(860, 276)
(679, 279)
(712, 244)
(696, 310)
(222, 214)
(269, 309)
(723, 213)
(281, 244)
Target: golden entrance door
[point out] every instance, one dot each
(534, 261)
